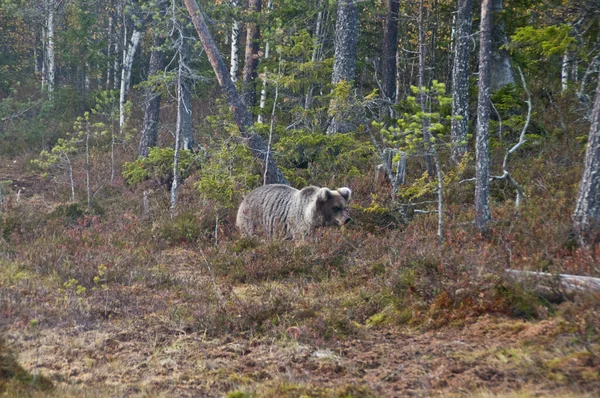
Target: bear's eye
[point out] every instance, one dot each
(337, 208)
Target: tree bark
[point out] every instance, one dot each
(50, 63)
(251, 56)
(184, 96)
(390, 48)
(316, 52)
(149, 135)
(482, 159)
(564, 72)
(344, 64)
(126, 75)
(263, 91)
(586, 219)
(235, 44)
(241, 115)
(460, 80)
(502, 73)
(422, 93)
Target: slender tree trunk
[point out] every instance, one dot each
(390, 49)
(344, 64)
(422, 91)
(263, 91)
(126, 75)
(184, 96)
(108, 53)
(241, 116)
(460, 80)
(316, 52)
(50, 64)
(586, 219)
(482, 157)
(251, 61)
(120, 26)
(88, 167)
(149, 135)
(235, 44)
(502, 73)
(564, 75)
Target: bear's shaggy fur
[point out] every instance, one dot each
(282, 211)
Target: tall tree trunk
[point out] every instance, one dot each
(50, 63)
(251, 59)
(422, 91)
(564, 73)
(263, 91)
(241, 116)
(149, 134)
(390, 48)
(184, 96)
(236, 30)
(316, 52)
(344, 64)
(502, 73)
(460, 80)
(108, 53)
(120, 26)
(126, 75)
(482, 157)
(586, 219)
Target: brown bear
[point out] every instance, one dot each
(282, 211)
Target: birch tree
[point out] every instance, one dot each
(586, 218)
(126, 74)
(318, 37)
(49, 61)
(236, 30)
(482, 157)
(460, 80)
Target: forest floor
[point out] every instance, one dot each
(271, 319)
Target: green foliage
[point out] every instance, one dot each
(159, 165)
(406, 134)
(228, 174)
(532, 45)
(310, 157)
(183, 228)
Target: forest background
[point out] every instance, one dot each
(131, 130)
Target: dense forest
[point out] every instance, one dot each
(467, 132)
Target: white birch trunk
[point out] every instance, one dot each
(126, 75)
(564, 75)
(50, 67)
(263, 91)
(235, 45)
(44, 55)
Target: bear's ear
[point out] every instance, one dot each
(345, 192)
(323, 195)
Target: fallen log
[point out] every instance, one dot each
(549, 285)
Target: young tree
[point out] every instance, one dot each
(460, 80)
(241, 115)
(251, 59)
(586, 219)
(344, 64)
(482, 157)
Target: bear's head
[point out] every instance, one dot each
(332, 205)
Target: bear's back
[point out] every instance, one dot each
(267, 209)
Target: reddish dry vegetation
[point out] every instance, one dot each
(109, 302)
